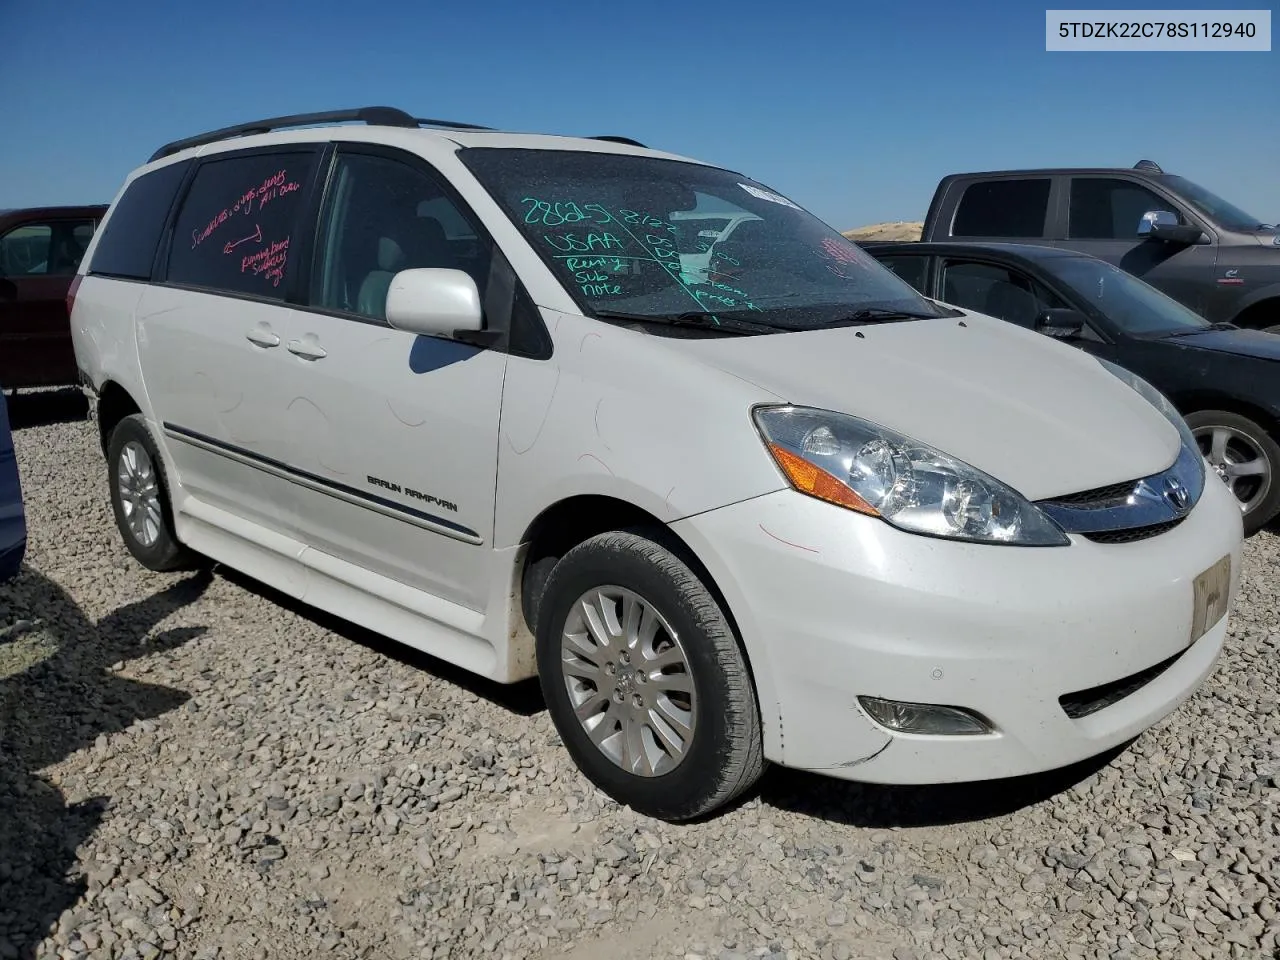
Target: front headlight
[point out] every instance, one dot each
(865, 467)
(1160, 402)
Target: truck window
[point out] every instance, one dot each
(1003, 208)
(1109, 209)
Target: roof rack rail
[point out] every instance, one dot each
(374, 116)
(626, 140)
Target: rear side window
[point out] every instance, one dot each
(127, 247)
(237, 223)
(1003, 208)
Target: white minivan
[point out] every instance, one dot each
(453, 384)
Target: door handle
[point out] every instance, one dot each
(308, 350)
(262, 337)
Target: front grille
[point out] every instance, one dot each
(1097, 497)
(1084, 702)
(1132, 534)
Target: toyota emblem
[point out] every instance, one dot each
(1175, 493)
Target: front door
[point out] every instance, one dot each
(37, 261)
(1102, 221)
(395, 434)
(211, 335)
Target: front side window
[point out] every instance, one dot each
(910, 268)
(52, 249)
(1107, 209)
(997, 291)
(24, 251)
(655, 238)
(238, 223)
(383, 216)
(1003, 208)
(1133, 305)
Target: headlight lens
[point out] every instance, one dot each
(1160, 402)
(865, 467)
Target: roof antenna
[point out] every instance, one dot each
(1150, 166)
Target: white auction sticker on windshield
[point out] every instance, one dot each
(766, 195)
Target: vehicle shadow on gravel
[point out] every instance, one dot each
(523, 698)
(52, 709)
(878, 806)
(41, 408)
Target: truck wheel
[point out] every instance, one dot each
(1247, 459)
(645, 680)
(140, 497)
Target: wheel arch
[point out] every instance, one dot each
(114, 404)
(1197, 401)
(1260, 313)
(575, 519)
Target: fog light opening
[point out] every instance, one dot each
(929, 719)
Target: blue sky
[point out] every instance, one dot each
(854, 110)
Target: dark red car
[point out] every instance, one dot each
(40, 249)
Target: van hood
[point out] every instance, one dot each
(1043, 417)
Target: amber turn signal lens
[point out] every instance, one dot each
(816, 482)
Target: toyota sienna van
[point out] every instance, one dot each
(454, 384)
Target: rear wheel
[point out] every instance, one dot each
(140, 497)
(1247, 459)
(644, 678)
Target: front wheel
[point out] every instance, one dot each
(1246, 458)
(645, 680)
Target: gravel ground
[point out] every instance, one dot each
(191, 767)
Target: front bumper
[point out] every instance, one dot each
(832, 605)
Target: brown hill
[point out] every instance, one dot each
(897, 230)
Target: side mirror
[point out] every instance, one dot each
(1163, 225)
(1061, 324)
(435, 302)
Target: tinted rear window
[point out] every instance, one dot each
(1003, 208)
(127, 247)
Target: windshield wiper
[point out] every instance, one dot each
(877, 315)
(696, 318)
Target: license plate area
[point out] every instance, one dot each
(1210, 591)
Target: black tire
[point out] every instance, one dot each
(1268, 505)
(724, 754)
(166, 553)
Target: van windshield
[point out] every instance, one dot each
(658, 238)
